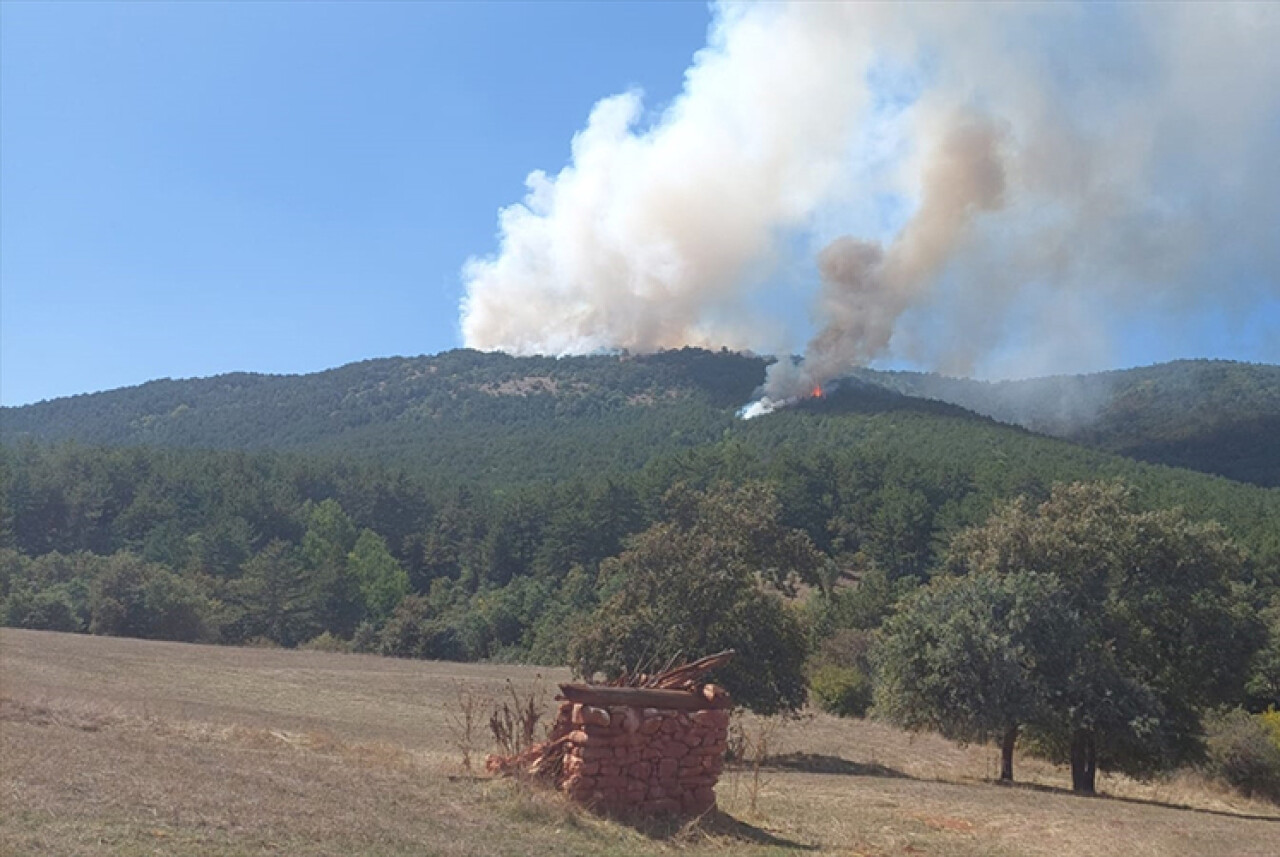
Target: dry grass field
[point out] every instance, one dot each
(126, 747)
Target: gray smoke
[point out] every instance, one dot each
(866, 288)
(1061, 171)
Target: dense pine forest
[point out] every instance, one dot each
(1211, 415)
(478, 506)
(499, 419)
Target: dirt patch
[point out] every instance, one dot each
(531, 385)
(942, 822)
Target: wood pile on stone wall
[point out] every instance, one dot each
(654, 748)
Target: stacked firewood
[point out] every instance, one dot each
(646, 744)
(674, 676)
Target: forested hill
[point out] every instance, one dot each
(496, 418)
(244, 410)
(1216, 416)
(475, 505)
(463, 413)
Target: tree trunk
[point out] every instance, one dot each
(1084, 762)
(1006, 753)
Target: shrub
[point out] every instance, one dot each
(848, 647)
(1270, 720)
(839, 673)
(413, 632)
(133, 598)
(843, 691)
(365, 639)
(1242, 752)
(260, 642)
(51, 609)
(327, 642)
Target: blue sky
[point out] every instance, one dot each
(188, 189)
(195, 188)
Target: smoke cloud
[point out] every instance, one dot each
(866, 288)
(993, 190)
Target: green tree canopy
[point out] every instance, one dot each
(329, 539)
(968, 657)
(1264, 680)
(702, 581)
(274, 597)
(1158, 626)
(382, 581)
(133, 598)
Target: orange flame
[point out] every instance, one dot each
(817, 392)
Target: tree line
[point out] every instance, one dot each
(1087, 621)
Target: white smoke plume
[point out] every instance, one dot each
(649, 238)
(1057, 171)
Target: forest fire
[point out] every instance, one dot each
(767, 405)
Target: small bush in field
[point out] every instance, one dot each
(365, 639)
(847, 647)
(327, 642)
(413, 631)
(514, 725)
(1270, 720)
(844, 691)
(839, 673)
(260, 642)
(1243, 753)
(46, 610)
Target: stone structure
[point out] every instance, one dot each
(646, 745)
(649, 761)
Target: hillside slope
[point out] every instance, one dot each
(490, 501)
(474, 413)
(1216, 416)
(858, 456)
(496, 417)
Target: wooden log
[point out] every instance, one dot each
(639, 697)
(689, 674)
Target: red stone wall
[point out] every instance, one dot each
(648, 761)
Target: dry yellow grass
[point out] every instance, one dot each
(127, 747)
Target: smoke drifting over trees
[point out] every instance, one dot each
(985, 189)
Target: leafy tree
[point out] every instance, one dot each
(382, 581)
(695, 584)
(1160, 629)
(1264, 678)
(330, 535)
(49, 592)
(329, 539)
(570, 608)
(865, 605)
(971, 657)
(50, 609)
(414, 631)
(901, 531)
(133, 598)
